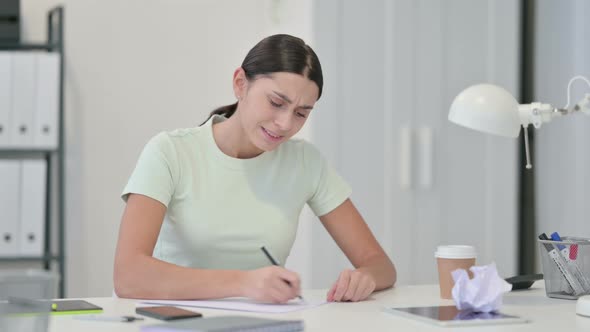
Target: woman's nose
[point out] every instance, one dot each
(283, 120)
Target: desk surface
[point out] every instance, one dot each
(544, 314)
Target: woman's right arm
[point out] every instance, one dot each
(139, 275)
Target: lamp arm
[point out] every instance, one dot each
(569, 85)
(539, 113)
(536, 114)
(583, 105)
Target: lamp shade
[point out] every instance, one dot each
(488, 108)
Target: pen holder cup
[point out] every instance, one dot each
(566, 267)
(28, 285)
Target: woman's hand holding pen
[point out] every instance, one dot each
(352, 285)
(272, 284)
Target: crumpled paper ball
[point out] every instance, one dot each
(482, 293)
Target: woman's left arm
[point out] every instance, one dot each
(373, 269)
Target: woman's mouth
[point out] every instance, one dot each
(271, 136)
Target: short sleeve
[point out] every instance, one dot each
(156, 171)
(329, 188)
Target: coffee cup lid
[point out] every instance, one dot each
(455, 251)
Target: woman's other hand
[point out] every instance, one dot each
(352, 285)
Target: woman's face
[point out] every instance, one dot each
(274, 107)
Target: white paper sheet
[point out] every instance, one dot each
(238, 304)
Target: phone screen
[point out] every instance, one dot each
(167, 312)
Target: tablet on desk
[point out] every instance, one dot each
(451, 316)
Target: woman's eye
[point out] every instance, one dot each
(301, 115)
(275, 104)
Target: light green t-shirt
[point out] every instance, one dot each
(220, 209)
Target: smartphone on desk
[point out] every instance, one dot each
(167, 312)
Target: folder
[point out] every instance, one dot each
(33, 193)
(9, 207)
(5, 98)
(227, 323)
(24, 66)
(46, 101)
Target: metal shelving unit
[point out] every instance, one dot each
(55, 158)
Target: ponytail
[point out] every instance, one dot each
(226, 111)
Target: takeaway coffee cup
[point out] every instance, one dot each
(450, 258)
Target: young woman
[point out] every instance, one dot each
(202, 201)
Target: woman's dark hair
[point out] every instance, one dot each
(278, 53)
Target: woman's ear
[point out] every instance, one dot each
(240, 83)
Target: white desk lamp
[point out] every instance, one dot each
(491, 109)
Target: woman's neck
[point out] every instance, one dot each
(230, 137)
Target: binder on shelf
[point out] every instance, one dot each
(9, 207)
(9, 21)
(24, 66)
(5, 98)
(32, 212)
(47, 101)
(31, 87)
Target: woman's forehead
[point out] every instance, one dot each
(291, 85)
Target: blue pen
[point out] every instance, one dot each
(555, 237)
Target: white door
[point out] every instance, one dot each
(391, 70)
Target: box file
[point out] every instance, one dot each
(9, 21)
(9, 207)
(32, 221)
(9, 29)
(5, 98)
(24, 66)
(9, 8)
(47, 101)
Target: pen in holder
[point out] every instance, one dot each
(566, 266)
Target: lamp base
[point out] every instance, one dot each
(583, 306)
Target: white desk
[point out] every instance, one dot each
(545, 314)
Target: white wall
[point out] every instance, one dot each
(134, 68)
(138, 67)
(562, 160)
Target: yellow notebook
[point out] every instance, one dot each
(71, 307)
(56, 307)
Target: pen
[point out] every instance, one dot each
(274, 262)
(124, 319)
